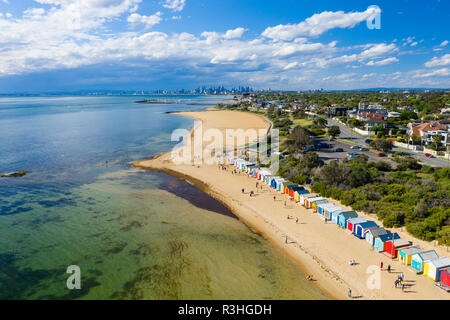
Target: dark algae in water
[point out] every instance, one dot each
(16, 174)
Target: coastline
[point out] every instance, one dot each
(316, 255)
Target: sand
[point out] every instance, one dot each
(321, 250)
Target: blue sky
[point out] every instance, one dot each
(71, 45)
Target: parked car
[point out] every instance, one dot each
(352, 154)
(363, 149)
(381, 154)
(429, 155)
(355, 147)
(338, 150)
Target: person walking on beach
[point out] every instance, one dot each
(389, 268)
(285, 203)
(381, 265)
(274, 198)
(296, 220)
(285, 239)
(403, 287)
(257, 185)
(349, 292)
(242, 190)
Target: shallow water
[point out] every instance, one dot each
(135, 234)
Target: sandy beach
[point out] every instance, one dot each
(321, 249)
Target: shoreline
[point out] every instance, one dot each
(313, 254)
(206, 188)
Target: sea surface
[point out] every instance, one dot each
(134, 234)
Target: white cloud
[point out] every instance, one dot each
(175, 5)
(236, 33)
(319, 24)
(382, 62)
(444, 72)
(444, 43)
(290, 65)
(439, 62)
(147, 21)
(76, 33)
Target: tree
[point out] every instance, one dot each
(334, 131)
(320, 122)
(311, 160)
(381, 145)
(436, 141)
(421, 209)
(299, 137)
(416, 140)
(408, 115)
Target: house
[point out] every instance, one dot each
(393, 246)
(315, 204)
(353, 221)
(394, 114)
(321, 206)
(268, 179)
(310, 201)
(327, 211)
(299, 193)
(290, 189)
(374, 122)
(303, 198)
(433, 267)
(344, 216)
(334, 215)
(277, 183)
(330, 212)
(371, 233)
(427, 130)
(419, 259)
(263, 174)
(283, 186)
(405, 254)
(361, 228)
(445, 279)
(380, 241)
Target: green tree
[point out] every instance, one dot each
(299, 137)
(320, 122)
(334, 131)
(436, 141)
(381, 145)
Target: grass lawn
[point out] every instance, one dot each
(301, 122)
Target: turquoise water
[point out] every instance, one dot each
(134, 234)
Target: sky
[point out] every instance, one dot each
(97, 45)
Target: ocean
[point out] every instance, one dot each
(134, 234)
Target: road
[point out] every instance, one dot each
(356, 139)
